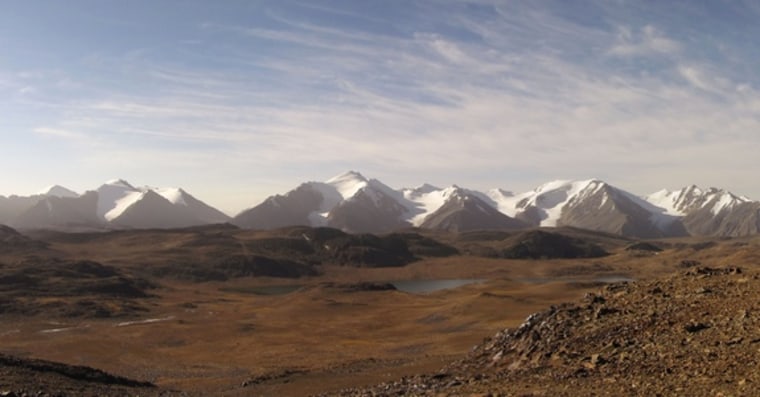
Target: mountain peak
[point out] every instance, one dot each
(568, 187)
(348, 183)
(567, 184)
(347, 176)
(690, 198)
(173, 194)
(425, 188)
(119, 182)
(498, 192)
(58, 191)
(693, 188)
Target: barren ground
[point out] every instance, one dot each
(219, 338)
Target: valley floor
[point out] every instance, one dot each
(339, 330)
(214, 338)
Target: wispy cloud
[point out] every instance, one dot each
(647, 41)
(514, 88)
(708, 81)
(60, 133)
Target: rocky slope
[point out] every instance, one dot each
(696, 333)
(742, 219)
(22, 377)
(290, 209)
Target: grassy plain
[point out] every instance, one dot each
(220, 338)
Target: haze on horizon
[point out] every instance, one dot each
(238, 100)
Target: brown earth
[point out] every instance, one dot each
(343, 328)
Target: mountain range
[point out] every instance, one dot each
(114, 205)
(356, 204)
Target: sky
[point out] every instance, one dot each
(238, 100)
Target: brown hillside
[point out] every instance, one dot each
(696, 333)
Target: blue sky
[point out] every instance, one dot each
(237, 100)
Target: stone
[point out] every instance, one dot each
(693, 327)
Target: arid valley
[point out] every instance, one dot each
(444, 198)
(301, 311)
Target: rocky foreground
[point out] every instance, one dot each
(696, 333)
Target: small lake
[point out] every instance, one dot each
(426, 286)
(410, 286)
(602, 279)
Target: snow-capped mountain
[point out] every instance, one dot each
(710, 212)
(348, 201)
(545, 205)
(425, 200)
(114, 197)
(691, 198)
(428, 199)
(115, 204)
(123, 205)
(372, 207)
(589, 204)
(462, 210)
(354, 203)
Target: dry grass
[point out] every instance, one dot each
(208, 339)
(211, 341)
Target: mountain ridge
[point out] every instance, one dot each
(115, 204)
(358, 204)
(590, 204)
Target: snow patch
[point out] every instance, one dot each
(116, 196)
(426, 202)
(148, 321)
(174, 195)
(722, 202)
(348, 184)
(657, 215)
(549, 199)
(666, 200)
(122, 204)
(318, 219)
(423, 202)
(505, 201)
(59, 330)
(110, 193)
